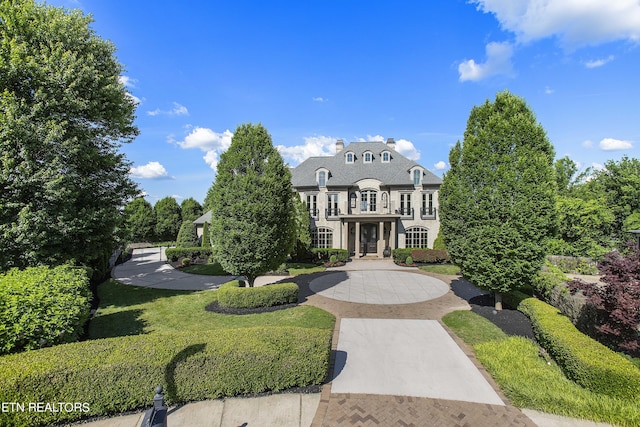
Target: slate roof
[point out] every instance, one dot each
(341, 174)
(204, 218)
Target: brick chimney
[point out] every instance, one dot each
(391, 143)
(339, 145)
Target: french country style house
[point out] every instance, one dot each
(368, 198)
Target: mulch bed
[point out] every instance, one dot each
(512, 322)
(216, 308)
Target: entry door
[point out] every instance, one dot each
(369, 238)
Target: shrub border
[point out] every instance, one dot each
(231, 295)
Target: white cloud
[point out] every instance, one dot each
(134, 98)
(407, 149)
(319, 99)
(177, 196)
(574, 22)
(127, 81)
(498, 62)
(177, 110)
(598, 62)
(597, 166)
(440, 165)
(587, 143)
(212, 143)
(548, 90)
(313, 146)
(152, 170)
(610, 144)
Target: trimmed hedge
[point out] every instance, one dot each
(175, 254)
(119, 374)
(232, 295)
(423, 256)
(42, 306)
(324, 255)
(584, 360)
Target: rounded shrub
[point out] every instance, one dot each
(409, 260)
(233, 296)
(333, 259)
(186, 262)
(42, 306)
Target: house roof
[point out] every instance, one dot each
(396, 172)
(204, 218)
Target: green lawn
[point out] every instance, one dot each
(529, 381)
(449, 269)
(132, 310)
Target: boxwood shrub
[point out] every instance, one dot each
(324, 254)
(42, 306)
(425, 256)
(175, 254)
(119, 374)
(584, 360)
(232, 295)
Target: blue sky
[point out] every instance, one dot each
(312, 72)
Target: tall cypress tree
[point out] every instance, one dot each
(497, 201)
(252, 214)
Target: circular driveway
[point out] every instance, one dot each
(379, 287)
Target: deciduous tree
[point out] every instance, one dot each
(252, 220)
(139, 220)
(63, 117)
(497, 201)
(168, 218)
(190, 209)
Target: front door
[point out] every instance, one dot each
(368, 238)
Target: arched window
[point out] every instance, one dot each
(349, 158)
(368, 201)
(322, 179)
(368, 157)
(322, 237)
(417, 175)
(386, 157)
(416, 237)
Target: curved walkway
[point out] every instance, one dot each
(393, 361)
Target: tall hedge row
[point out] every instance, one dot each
(427, 256)
(42, 306)
(119, 374)
(584, 360)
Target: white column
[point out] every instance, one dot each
(392, 234)
(380, 240)
(357, 251)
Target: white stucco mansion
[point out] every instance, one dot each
(368, 198)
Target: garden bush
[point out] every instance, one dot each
(584, 360)
(42, 306)
(174, 254)
(186, 262)
(423, 256)
(324, 255)
(547, 279)
(232, 295)
(409, 260)
(120, 374)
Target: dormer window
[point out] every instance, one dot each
(349, 158)
(322, 179)
(368, 157)
(386, 157)
(417, 177)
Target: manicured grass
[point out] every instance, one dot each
(132, 310)
(298, 268)
(449, 269)
(214, 269)
(529, 382)
(472, 328)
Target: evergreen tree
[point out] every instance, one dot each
(252, 220)
(187, 236)
(302, 245)
(63, 117)
(139, 220)
(168, 219)
(497, 201)
(206, 238)
(190, 209)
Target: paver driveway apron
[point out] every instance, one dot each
(403, 357)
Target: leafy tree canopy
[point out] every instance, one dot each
(497, 201)
(190, 209)
(252, 223)
(63, 117)
(168, 218)
(302, 245)
(140, 221)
